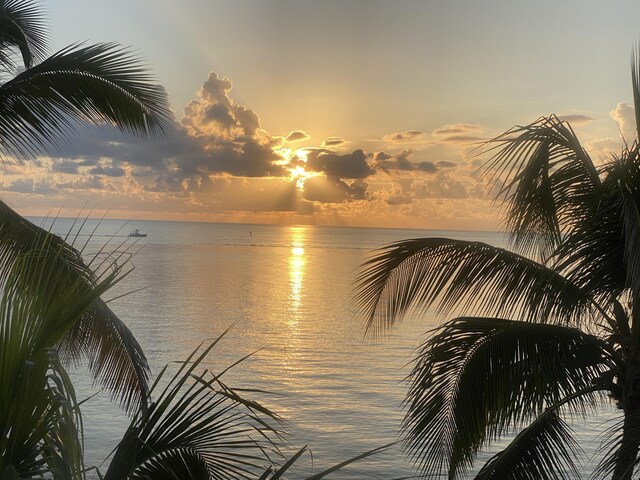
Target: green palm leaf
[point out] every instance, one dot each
(99, 84)
(195, 414)
(457, 274)
(99, 337)
(479, 378)
(38, 411)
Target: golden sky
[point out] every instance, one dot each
(335, 112)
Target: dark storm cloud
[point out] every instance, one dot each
(351, 165)
(297, 136)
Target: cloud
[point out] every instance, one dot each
(575, 118)
(403, 136)
(456, 129)
(86, 183)
(229, 136)
(69, 167)
(333, 190)
(446, 164)
(351, 165)
(402, 162)
(458, 133)
(445, 186)
(297, 136)
(624, 115)
(333, 142)
(108, 171)
(462, 139)
(29, 185)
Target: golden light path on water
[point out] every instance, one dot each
(297, 270)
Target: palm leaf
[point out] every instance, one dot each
(595, 256)
(192, 416)
(463, 275)
(479, 378)
(621, 444)
(178, 464)
(99, 337)
(635, 80)
(545, 450)
(21, 27)
(38, 411)
(548, 181)
(98, 84)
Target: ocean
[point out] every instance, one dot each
(287, 292)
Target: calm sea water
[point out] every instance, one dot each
(288, 290)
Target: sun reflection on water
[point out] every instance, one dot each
(297, 266)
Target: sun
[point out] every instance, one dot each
(299, 173)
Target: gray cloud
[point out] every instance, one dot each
(402, 162)
(29, 185)
(456, 129)
(403, 136)
(296, 136)
(446, 164)
(333, 142)
(108, 171)
(575, 118)
(334, 190)
(350, 165)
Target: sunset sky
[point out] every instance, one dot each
(353, 112)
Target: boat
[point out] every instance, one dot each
(137, 233)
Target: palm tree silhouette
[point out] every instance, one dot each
(540, 340)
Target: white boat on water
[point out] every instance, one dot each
(137, 233)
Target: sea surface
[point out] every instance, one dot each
(287, 292)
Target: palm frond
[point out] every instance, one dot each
(21, 27)
(548, 181)
(178, 464)
(545, 450)
(635, 80)
(98, 84)
(479, 378)
(622, 441)
(191, 414)
(463, 275)
(114, 356)
(38, 411)
(99, 337)
(594, 256)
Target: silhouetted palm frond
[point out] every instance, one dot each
(457, 274)
(479, 378)
(100, 84)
